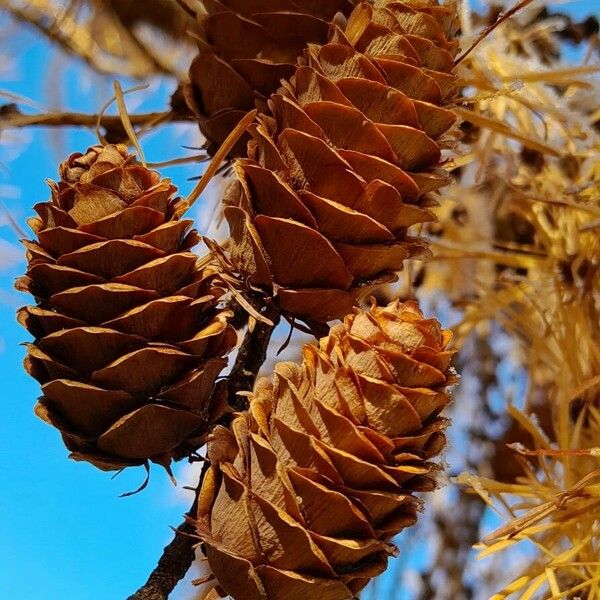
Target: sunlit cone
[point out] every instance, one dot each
(320, 209)
(306, 489)
(129, 337)
(247, 48)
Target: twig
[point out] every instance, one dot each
(174, 563)
(11, 118)
(502, 18)
(154, 58)
(251, 356)
(77, 39)
(178, 556)
(187, 9)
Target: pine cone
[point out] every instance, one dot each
(319, 210)
(306, 490)
(248, 47)
(128, 335)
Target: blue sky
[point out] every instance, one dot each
(65, 532)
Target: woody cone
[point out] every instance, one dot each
(346, 160)
(305, 490)
(246, 48)
(129, 336)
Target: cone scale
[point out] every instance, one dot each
(129, 336)
(306, 490)
(345, 162)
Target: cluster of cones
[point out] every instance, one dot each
(132, 329)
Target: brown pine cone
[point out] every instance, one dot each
(320, 209)
(129, 337)
(247, 48)
(305, 491)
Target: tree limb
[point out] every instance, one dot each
(12, 117)
(172, 566)
(250, 358)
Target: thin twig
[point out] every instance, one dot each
(11, 118)
(77, 39)
(155, 59)
(174, 563)
(502, 18)
(178, 556)
(187, 9)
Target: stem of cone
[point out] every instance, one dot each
(251, 356)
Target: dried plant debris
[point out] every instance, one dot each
(528, 232)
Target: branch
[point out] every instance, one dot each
(458, 530)
(11, 117)
(250, 358)
(174, 563)
(178, 556)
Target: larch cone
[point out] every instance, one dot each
(129, 335)
(246, 48)
(307, 488)
(344, 165)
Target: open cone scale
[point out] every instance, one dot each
(305, 490)
(129, 337)
(346, 159)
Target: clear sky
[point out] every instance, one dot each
(65, 534)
